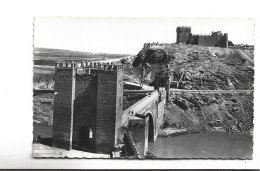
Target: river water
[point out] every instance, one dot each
(204, 145)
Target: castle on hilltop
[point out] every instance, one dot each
(216, 39)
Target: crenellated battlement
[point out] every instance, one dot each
(201, 35)
(180, 28)
(88, 65)
(216, 33)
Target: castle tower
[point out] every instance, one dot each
(109, 107)
(183, 34)
(88, 106)
(226, 40)
(63, 106)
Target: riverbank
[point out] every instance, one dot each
(171, 132)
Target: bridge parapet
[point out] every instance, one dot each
(140, 106)
(183, 28)
(144, 118)
(88, 65)
(143, 105)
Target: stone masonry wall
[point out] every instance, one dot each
(156, 109)
(119, 103)
(209, 40)
(106, 111)
(183, 37)
(139, 132)
(63, 108)
(160, 114)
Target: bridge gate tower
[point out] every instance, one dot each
(163, 79)
(88, 106)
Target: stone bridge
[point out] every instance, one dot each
(144, 118)
(89, 114)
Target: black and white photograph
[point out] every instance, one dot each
(165, 88)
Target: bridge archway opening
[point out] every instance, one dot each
(161, 83)
(151, 128)
(85, 136)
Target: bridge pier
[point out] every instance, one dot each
(138, 128)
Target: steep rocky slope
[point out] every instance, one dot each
(203, 68)
(203, 112)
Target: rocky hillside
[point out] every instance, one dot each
(43, 108)
(203, 112)
(198, 68)
(202, 68)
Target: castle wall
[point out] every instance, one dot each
(207, 41)
(212, 40)
(63, 108)
(193, 40)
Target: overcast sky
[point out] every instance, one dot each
(128, 35)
